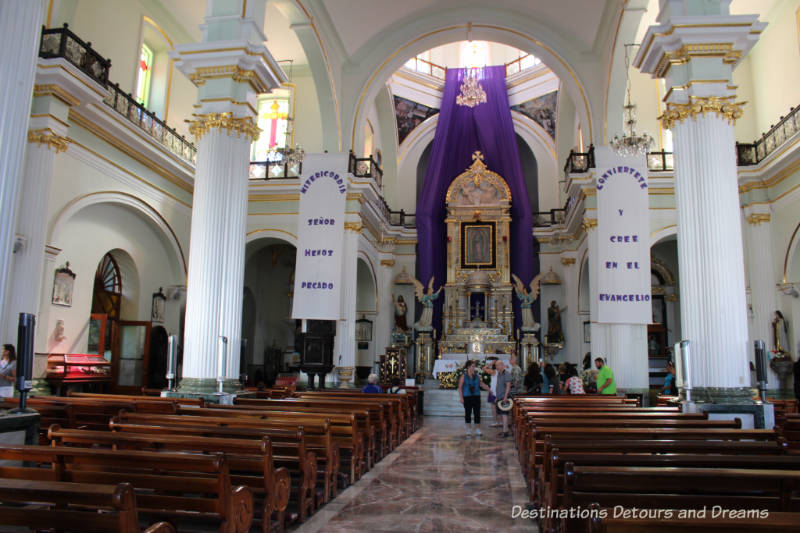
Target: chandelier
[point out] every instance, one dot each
(472, 93)
(630, 144)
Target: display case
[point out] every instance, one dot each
(77, 368)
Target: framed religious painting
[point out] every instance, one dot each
(363, 329)
(158, 309)
(63, 284)
(478, 244)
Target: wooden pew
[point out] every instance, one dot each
(680, 488)
(790, 430)
(318, 437)
(199, 402)
(252, 463)
(85, 507)
(344, 429)
(407, 408)
(169, 486)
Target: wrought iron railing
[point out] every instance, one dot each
(277, 167)
(748, 154)
(554, 217)
(149, 123)
(401, 218)
(365, 167)
(660, 161)
(578, 162)
(61, 42)
(521, 63)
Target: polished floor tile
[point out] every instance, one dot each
(438, 480)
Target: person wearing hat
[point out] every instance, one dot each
(504, 391)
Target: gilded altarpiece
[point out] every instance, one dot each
(478, 315)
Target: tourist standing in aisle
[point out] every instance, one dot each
(504, 392)
(605, 378)
(469, 390)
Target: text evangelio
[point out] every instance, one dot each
(621, 170)
(324, 174)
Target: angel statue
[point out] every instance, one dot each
(526, 299)
(426, 299)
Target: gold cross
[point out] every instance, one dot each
(477, 155)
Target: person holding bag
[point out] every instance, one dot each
(469, 390)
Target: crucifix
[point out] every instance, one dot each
(477, 310)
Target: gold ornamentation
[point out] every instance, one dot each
(478, 174)
(671, 297)
(688, 51)
(757, 218)
(57, 91)
(567, 261)
(50, 138)
(226, 121)
(387, 262)
(236, 73)
(657, 290)
(700, 106)
(588, 224)
(353, 226)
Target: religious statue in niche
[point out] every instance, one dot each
(526, 298)
(780, 335)
(426, 299)
(555, 334)
(400, 311)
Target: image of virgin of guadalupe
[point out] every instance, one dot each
(478, 246)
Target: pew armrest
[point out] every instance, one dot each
(160, 527)
(281, 489)
(242, 510)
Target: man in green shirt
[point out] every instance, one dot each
(605, 379)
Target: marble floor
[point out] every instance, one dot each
(436, 481)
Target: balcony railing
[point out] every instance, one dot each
(61, 42)
(276, 167)
(423, 66)
(148, 122)
(365, 167)
(521, 63)
(660, 161)
(545, 219)
(748, 154)
(578, 162)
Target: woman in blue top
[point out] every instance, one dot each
(669, 381)
(469, 389)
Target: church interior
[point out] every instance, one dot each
(258, 258)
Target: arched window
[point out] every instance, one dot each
(474, 54)
(107, 288)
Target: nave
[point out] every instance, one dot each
(438, 480)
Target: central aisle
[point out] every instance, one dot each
(437, 480)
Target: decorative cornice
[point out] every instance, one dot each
(387, 262)
(588, 224)
(354, 226)
(226, 121)
(683, 54)
(50, 138)
(235, 72)
(671, 297)
(700, 106)
(57, 91)
(567, 261)
(757, 218)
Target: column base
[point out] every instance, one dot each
(206, 386)
(752, 415)
(721, 395)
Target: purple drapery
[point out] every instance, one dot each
(460, 131)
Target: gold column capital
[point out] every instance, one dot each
(589, 223)
(353, 226)
(757, 218)
(722, 106)
(238, 125)
(567, 261)
(387, 262)
(50, 138)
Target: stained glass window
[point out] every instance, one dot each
(144, 73)
(273, 120)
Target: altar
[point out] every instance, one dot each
(451, 362)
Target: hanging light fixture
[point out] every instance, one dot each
(292, 157)
(472, 93)
(630, 144)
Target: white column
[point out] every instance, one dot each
(216, 256)
(25, 292)
(713, 302)
(20, 28)
(623, 346)
(345, 342)
(384, 322)
(761, 274)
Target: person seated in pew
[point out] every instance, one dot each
(605, 378)
(397, 387)
(372, 385)
(550, 380)
(533, 380)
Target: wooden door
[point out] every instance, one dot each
(131, 355)
(98, 324)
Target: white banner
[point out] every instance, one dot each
(623, 226)
(320, 237)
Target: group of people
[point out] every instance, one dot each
(8, 371)
(545, 378)
(505, 382)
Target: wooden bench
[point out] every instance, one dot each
(679, 488)
(199, 402)
(252, 464)
(405, 405)
(317, 436)
(63, 506)
(170, 487)
(344, 430)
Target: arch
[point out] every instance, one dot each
(663, 234)
(124, 199)
(319, 61)
(660, 267)
(584, 285)
(366, 280)
(791, 250)
(130, 282)
(379, 69)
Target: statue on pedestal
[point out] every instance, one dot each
(426, 299)
(400, 310)
(555, 335)
(526, 299)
